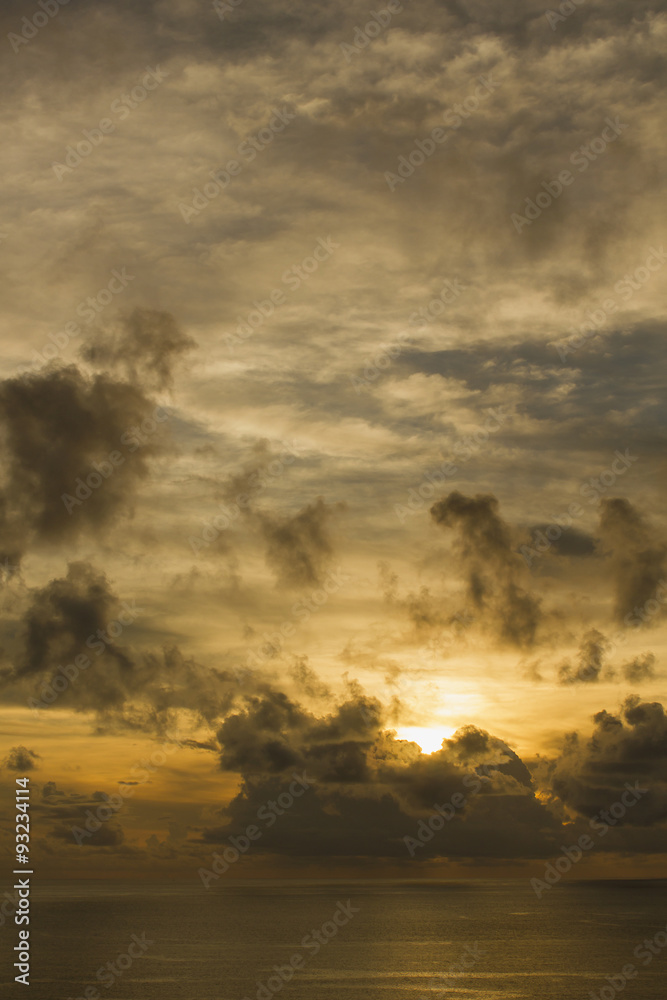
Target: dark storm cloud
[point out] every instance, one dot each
(637, 556)
(492, 568)
(590, 775)
(70, 656)
(369, 790)
(56, 427)
(470, 750)
(21, 759)
(641, 669)
(592, 652)
(144, 347)
(61, 618)
(254, 742)
(169, 680)
(300, 548)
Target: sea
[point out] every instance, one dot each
(342, 940)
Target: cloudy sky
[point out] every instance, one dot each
(332, 428)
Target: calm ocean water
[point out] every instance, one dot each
(222, 943)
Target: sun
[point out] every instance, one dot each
(429, 738)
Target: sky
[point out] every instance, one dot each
(332, 432)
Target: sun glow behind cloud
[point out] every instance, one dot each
(428, 738)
